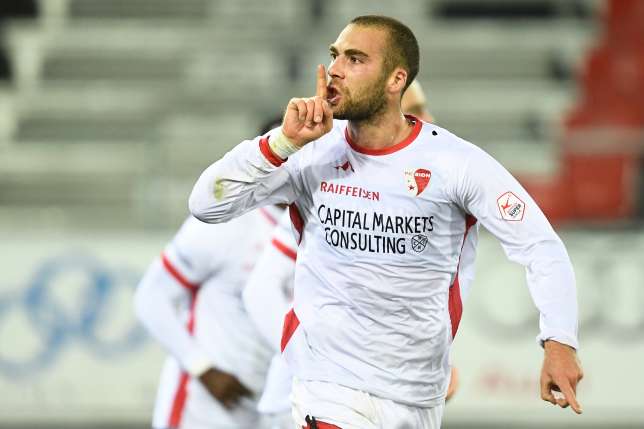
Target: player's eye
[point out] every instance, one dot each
(354, 60)
(333, 56)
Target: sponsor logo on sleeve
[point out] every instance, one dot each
(417, 180)
(512, 208)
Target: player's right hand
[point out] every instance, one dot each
(308, 119)
(224, 387)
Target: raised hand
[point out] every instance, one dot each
(308, 119)
(560, 373)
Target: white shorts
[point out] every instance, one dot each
(353, 409)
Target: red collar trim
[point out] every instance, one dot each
(418, 125)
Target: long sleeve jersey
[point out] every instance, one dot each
(268, 293)
(190, 301)
(268, 297)
(386, 254)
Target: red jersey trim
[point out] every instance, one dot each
(181, 395)
(297, 220)
(192, 287)
(291, 322)
(418, 125)
(179, 402)
(269, 217)
(284, 249)
(455, 304)
(268, 153)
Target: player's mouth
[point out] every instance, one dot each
(332, 95)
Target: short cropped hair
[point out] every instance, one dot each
(402, 46)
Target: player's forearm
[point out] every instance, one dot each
(507, 211)
(242, 180)
(153, 303)
(551, 281)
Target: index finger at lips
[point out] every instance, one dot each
(320, 90)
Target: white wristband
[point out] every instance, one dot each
(281, 145)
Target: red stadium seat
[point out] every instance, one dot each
(598, 177)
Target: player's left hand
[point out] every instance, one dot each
(560, 373)
(224, 387)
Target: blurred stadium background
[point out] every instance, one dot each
(109, 109)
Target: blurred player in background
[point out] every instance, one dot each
(190, 302)
(269, 292)
(387, 215)
(414, 102)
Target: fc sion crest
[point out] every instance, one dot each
(417, 180)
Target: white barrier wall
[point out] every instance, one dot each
(500, 362)
(70, 348)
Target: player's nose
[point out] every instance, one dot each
(335, 69)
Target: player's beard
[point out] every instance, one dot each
(366, 104)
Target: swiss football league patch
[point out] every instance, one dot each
(417, 180)
(512, 208)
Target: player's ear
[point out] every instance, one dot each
(397, 80)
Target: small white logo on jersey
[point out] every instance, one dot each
(417, 180)
(511, 207)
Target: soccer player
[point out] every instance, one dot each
(190, 301)
(414, 102)
(268, 296)
(387, 209)
(269, 290)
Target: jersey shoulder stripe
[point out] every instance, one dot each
(183, 281)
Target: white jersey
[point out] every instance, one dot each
(190, 301)
(387, 241)
(268, 297)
